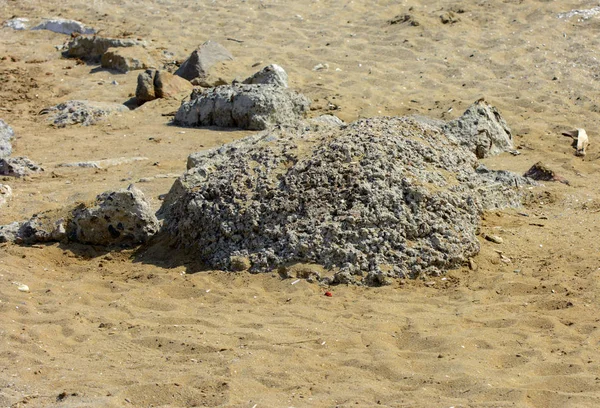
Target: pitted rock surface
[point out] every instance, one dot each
(82, 112)
(6, 135)
(379, 198)
(254, 107)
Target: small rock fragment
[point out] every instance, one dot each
(18, 167)
(493, 238)
(541, 172)
(272, 75)
(19, 23)
(404, 18)
(64, 26)
(93, 47)
(5, 194)
(125, 59)
(82, 112)
(202, 59)
(449, 18)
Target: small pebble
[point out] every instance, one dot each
(494, 238)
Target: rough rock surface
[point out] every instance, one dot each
(64, 26)
(6, 135)
(202, 59)
(539, 171)
(271, 75)
(5, 194)
(19, 23)
(18, 167)
(379, 198)
(125, 59)
(93, 47)
(153, 84)
(482, 130)
(255, 107)
(83, 112)
(117, 218)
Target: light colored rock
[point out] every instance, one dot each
(93, 47)
(125, 59)
(122, 218)
(82, 112)
(5, 194)
(202, 59)
(64, 26)
(6, 135)
(19, 23)
(254, 107)
(271, 75)
(104, 163)
(18, 167)
(154, 84)
(8, 233)
(482, 130)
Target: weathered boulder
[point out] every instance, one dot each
(64, 26)
(6, 135)
(5, 194)
(270, 75)
(117, 218)
(202, 59)
(378, 198)
(18, 23)
(18, 167)
(253, 107)
(127, 59)
(482, 130)
(122, 217)
(93, 47)
(83, 112)
(153, 84)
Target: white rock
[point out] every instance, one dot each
(19, 23)
(64, 26)
(5, 194)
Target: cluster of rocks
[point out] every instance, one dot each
(120, 218)
(379, 198)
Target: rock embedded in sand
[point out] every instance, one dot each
(64, 26)
(254, 107)
(6, 135)
(82, 112)
(271, 75)
(482, 130)
(153, 84)
(378, 198)
(125, 59)
(18, 167)
(93, 47)
(202, 59)
(19, 23)
(5, 194)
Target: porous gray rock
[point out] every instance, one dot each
(379, 198)
(254, 107)
(271, 75)
(82, 112)
(93, 47)
(202, 59)
(122, 218)
(6, 135)
(18, 167)
(153, 84)
(482, 130)
(64, 26)
(125, 59)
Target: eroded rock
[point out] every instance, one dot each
(82, 112)
(125, 59)
(18, 23)
(253, 107)
(93, 47)
(153, 84)
(64, 26)
(202, 59)
(270, 75)
(18, 167)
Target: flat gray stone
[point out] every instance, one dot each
(64, 26)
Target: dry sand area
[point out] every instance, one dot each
(520, 328)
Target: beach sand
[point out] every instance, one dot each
(138, 328)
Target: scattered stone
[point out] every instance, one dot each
(153, 84)
(270, 75)
(93, 47)
(18, 167)
(385, 197)
(122, 217)
(580, 140)
(202, 59)
(127, 59)
(254, 107)
(5, 194)
(19, 23)
(321, 67)
(449, 18)
(493, 238)
(102, 164)
(404, 18)
(6, 135)
(541, 172)
(482, 130)
(64, 26)
(83, 112)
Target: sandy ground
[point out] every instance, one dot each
(137, 328)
